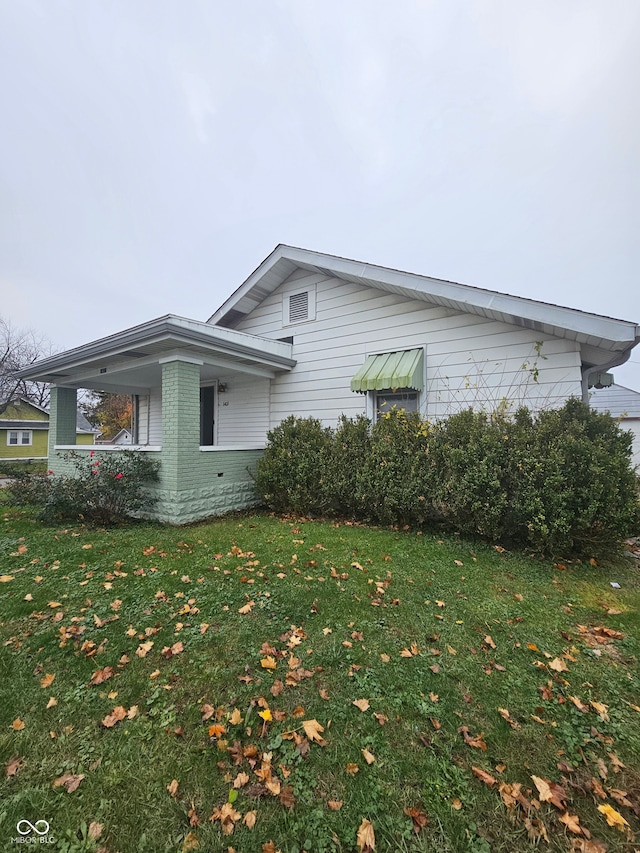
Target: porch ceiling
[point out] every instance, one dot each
(131, 361)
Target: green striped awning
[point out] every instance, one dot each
(403, 369)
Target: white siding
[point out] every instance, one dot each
(155, 416)
(142, 425)
(470, 360)
(242, 411)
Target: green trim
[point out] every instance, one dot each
(402, 369)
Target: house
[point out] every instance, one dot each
(123, 436)
(314, 334)
(24, 431)
(623, 404)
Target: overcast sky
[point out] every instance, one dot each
(153, 152)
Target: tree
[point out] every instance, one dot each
(109, 412)
(18, 349)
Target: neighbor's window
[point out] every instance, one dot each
(19, 437)
(400, 398)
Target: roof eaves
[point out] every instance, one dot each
(168, 326)
(514, 309)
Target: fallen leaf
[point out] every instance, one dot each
(600, 709)
(352, 769)
(582, 845)
(369, 757)
(144, 648)
(366, 839)
(572, 822)
(485, 777)
(52, 703)
(277, 687)
(118, 714)
(101, 675)
(418, 818)
(335, 805)
(362, 704)
(544, 789)
(172, 788)
(579, 704)
(227, 816)
(476, 742)
(241, 780)
(13, 765)
(489, 641)
(190, 843)
(313, 730)
(247, 608)
(535, 829)
(6, 578)
(287, 797)
(504, 713)
(48, 680)
(216, 730)
(17, 725)
(249, 819)
(558, 665)
(95, 830)
(615, 761)
(268, 662)
(613, 817)
(69, 781)
(510, 793)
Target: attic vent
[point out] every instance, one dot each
(299, 307)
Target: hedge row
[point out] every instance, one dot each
(558, 481)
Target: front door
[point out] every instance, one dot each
(207, 415)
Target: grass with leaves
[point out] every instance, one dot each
(260, 684)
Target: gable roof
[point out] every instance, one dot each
(618, 400)
(592, 330)
(82, 424)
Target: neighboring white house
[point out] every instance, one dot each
(624, 404)
(314, 334)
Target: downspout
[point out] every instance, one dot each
(621, 358)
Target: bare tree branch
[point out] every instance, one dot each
(18, 349)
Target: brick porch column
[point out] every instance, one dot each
(180, 421)
(62, 417)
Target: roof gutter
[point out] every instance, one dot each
(619, 359)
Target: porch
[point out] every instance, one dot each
(201, 397)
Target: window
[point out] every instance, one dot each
(19, 437)
(299, 306)
(398, 398)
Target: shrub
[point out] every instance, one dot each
(393, 485)
(559, 482)
(289, 475)
(469, 472)
(576, 489)
(344, 477)
(103, 490)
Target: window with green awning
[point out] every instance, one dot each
(402, 369)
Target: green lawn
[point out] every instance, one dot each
(314, 685)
